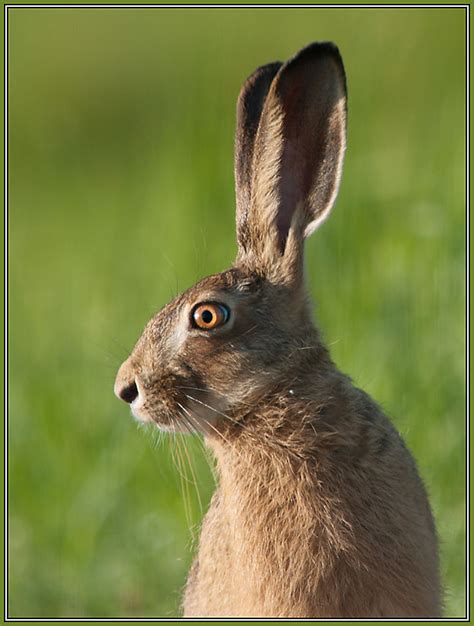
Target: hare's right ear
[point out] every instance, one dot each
(290, 146)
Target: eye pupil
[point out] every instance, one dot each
(207, 316)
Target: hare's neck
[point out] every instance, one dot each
(281, 483)
(279, 517)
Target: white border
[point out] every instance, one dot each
(467, 250)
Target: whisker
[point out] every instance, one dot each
(210, 460)
(268, 438)
(185, 413)
(208, 423)
(185, 481)
(197, 389)
(208, 406)
(203, 390)
(222, 436)
(190, 463)
(209, 457)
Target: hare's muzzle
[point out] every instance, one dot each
(125, 386)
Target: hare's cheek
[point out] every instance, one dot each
(248, 386)
(206, 409)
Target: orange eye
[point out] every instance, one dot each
(210, 315)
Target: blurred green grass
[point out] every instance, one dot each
(121, 194)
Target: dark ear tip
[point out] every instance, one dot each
(318, 51)
(263, 73)
(268, 68)
(254, 91)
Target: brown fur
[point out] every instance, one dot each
(320, 511)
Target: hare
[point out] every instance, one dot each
(320, 511)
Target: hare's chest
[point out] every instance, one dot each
(217, 584)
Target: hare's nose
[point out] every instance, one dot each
(125, 386)
(128, 394)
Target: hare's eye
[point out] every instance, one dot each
(209, 315)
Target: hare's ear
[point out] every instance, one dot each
(297, 155)
(249, 109)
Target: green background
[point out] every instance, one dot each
(121, 195)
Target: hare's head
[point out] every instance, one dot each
(227, 341)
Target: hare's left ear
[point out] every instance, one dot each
(296, 161)
(249, 109)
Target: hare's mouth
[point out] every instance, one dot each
(139, 407)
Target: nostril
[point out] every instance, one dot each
(129, 393)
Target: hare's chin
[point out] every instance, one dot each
(144, 417)
(139, 414)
